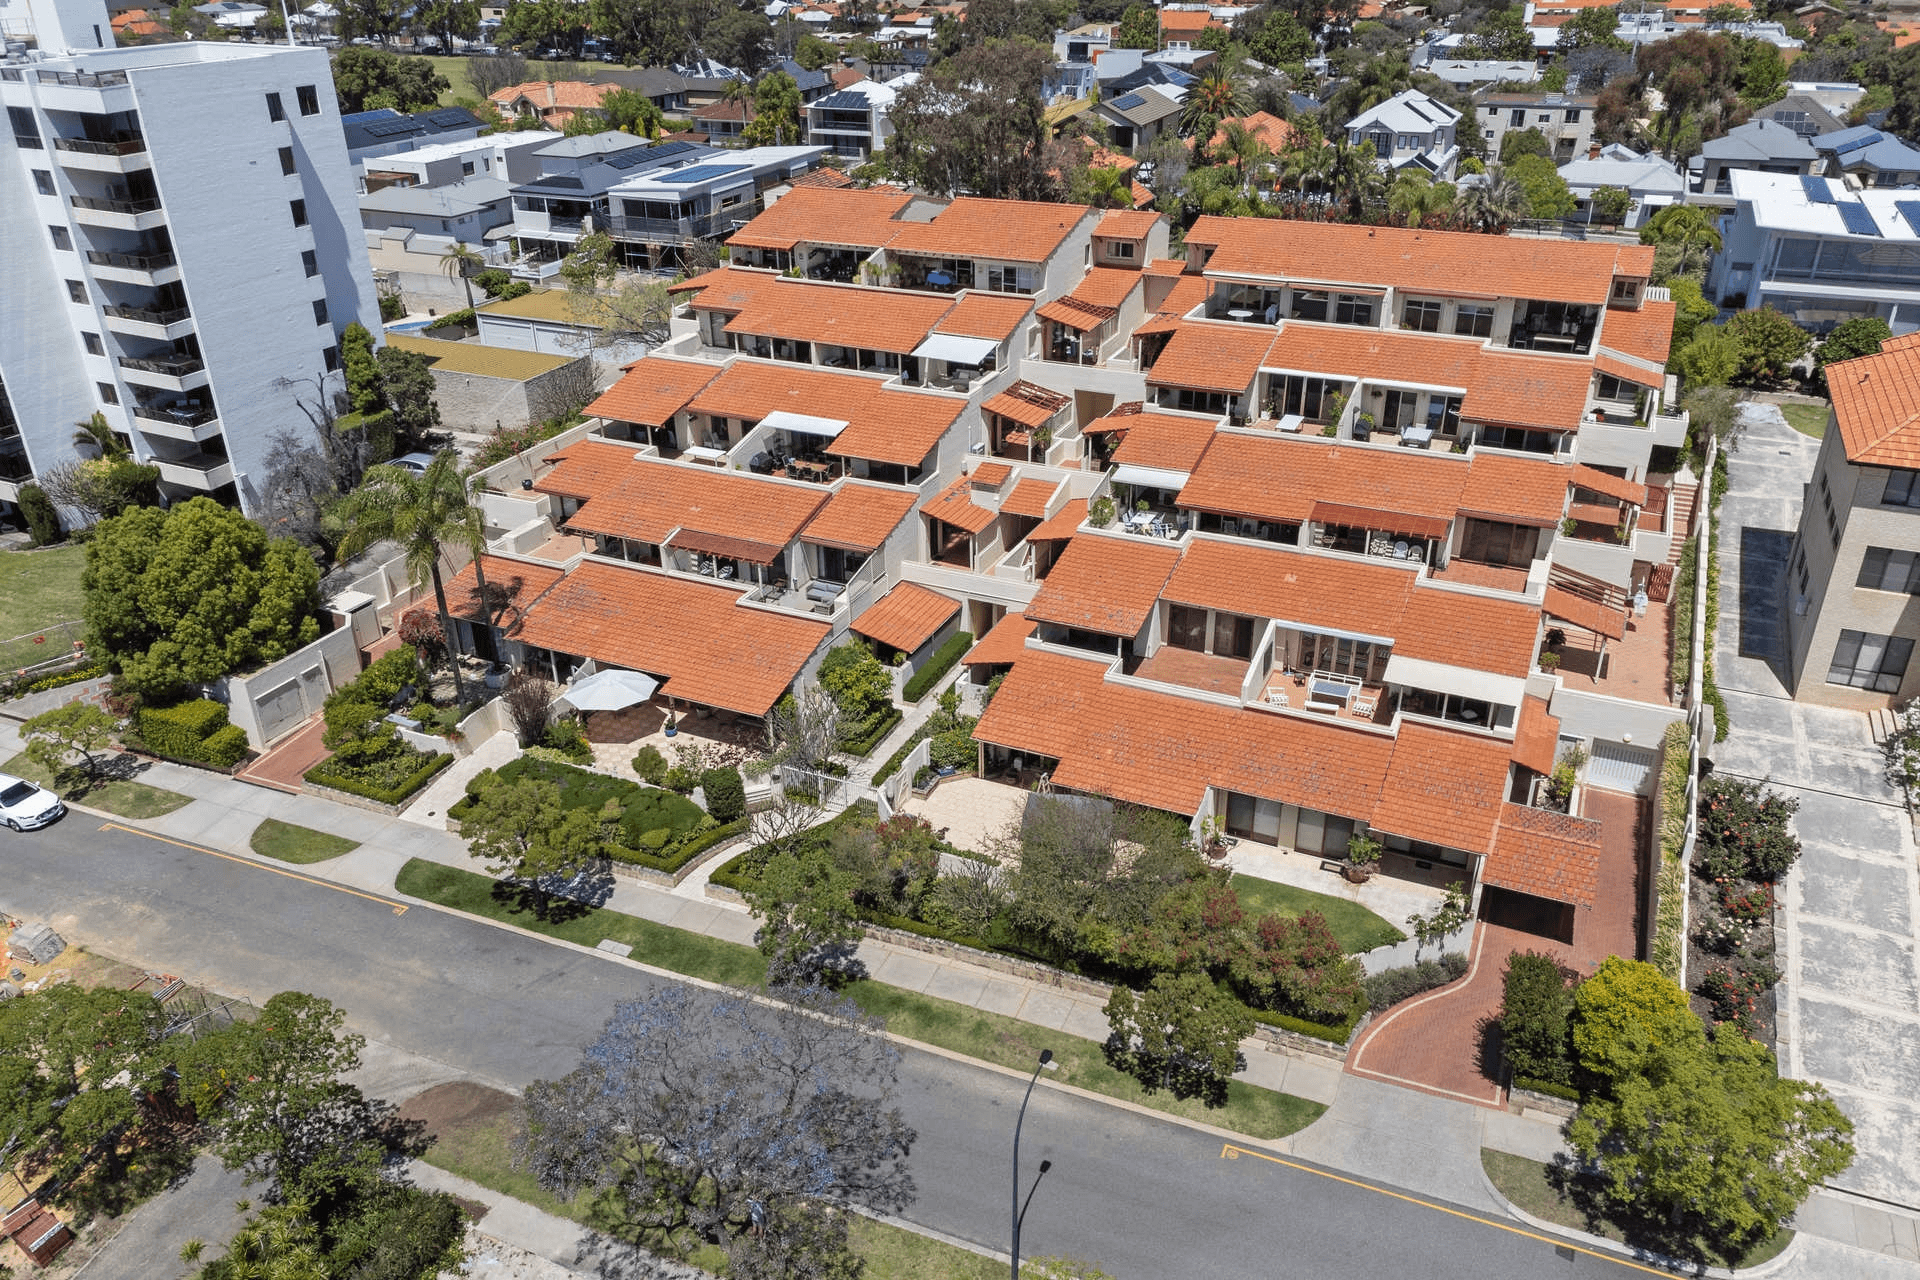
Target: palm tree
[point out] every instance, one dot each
(1414, 196)
(1495, 202)
(1214, 95)
(94, 434)
(1245, 150)
(1108, 188)
(421, 513)
(1354, 175)
(460, 261)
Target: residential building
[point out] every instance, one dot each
(1807, 113)
(1410, 129)
(1651, 183)
(1869, 156)
(1758, 146)
(553, 102)
(1083, 44)
(463, 211)
(1181, 26)
(478, 387)
(1852, 574)
(852, 122)
(386, 132)
(1135, 118)
(654, 211)
(723, 121)
(550, 212)
(510, 157)
(192, 294)
(1818, 252)
(1470, 73)
(1566, 121)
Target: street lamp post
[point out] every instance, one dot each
(1019, 1209)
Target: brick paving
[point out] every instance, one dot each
(284, 766)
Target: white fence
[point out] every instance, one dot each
(1700, 720)
(902, 778)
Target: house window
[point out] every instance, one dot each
(76, 292)
(331, 359)
(1253, 819)
(1867, 661)
(107, 394)
(91, 341)
(1546, 117)
(319, 310)
(1187, 628)
(1421, 315)
(1232, 636)
(299, 211)
(1573, 115)
(1901, 490)
(1626, 290)
(1352, 308)
(286, 160)
(310, 262)
(43, 182)
(1009, 279)
(1492, 542)
(26, 131)
(466, 168)
(1885, 570)
(1518, 118)
(1120, 248)
(274, 110)
(61, 240)
(1308, 304)
(1475, 321)
(309, 98)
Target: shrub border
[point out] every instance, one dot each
(694, 845)
(943, 661)
(875, 736)
(395, 796)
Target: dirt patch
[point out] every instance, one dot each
(448, 1108)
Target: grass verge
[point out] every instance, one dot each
(1534, 1187)
(1357, 928)
(287, 843)
(989, 1037)
(1807, 419)
(36, 586)
(122, 797)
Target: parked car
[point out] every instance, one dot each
(414, 462)
(25, 806)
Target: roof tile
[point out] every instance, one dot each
(1546, 855)
(1876, 403)
(906, 617)
(653, 389)
(1106, 584)
(1007, 642)
(822, 215)
(1029, 498)
(1443, 787)
(1002, 230)
(1212, 357)
(859, 517)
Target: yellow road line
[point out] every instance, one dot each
(1229, 1151)
(399, 908)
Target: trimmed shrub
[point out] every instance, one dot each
(726, 794)
(1391, 986)
(875, 732)
(225, 747)
(937, 666)
(42, 517)
(187, 731)
(651, 765)
(401, 785)
(681, 780)
(953, 749)
(1534, 1015)
(567, 737)
(1743, 830)
(1336, 1034)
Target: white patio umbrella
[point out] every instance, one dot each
(610, 690)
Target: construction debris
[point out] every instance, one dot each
(35, 943)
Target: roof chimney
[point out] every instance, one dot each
(1593, 151)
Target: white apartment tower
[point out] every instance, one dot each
(182, 248)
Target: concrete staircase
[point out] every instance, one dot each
(1685, 496)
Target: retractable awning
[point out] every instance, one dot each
(1149, 477)
(1439, 677)
(954, 348)
(804, 423)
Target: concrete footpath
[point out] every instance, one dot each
(1408, 1139)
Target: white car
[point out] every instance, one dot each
(26, 807)
(414, 462)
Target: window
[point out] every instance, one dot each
(1546, 117)
(331, 358)
(91, 341)
(1421, 315)
(107, 394)
(310, 262)
(76, 292)
(299, 210)
(1475, 321)
(1901, 490)
(1573, 115)
(1120, 248)
(1516, 119)
(1626, 290)
(1867, 661)
(1885, 570)
(1309, 304)
(1251, 818)
(1187, 628)
(1493, 542)
(286, 160)
(1010, 279)
(274, 110)
(319, 310)
(26, 131)
(43, 182)
(1351, 308)
(61, 240)
(466, 168)
(309, 98)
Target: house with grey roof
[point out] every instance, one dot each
(1876, 158)
(1135, 118)
(853, 122)
(1758, 146)
(1650, 182)
(1464, 73)
(1410, 130)
(464, 211)
(1564, 120)
(1804, 113)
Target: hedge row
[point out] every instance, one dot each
(1676, 764)
(686, 852)
(8, 689)
(1547, 1087)
(319, 776)
(196, 732)
(1306, 1027)
(876, 734)
(899, 757)
(941, 663)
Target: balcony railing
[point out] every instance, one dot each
(116, 206)
(133, 144)
(84, 79)
(149, 317)
(131, 261)
(174, 415)
(178, 367)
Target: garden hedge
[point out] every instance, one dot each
(196, 732)
(876, 733)
(319, 776)
(942, 662)
(1306, 1027)
(686, 852)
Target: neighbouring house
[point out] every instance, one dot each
(463, 211)
(1410, 130)
(852, 122)
(724, 120)
(1651, 183)
(513, 157)
(1870, 156)
(1807, 113)
(1566, 121)
(552, 102)
(385, 132)
(1758, 146)
(480, 388)
(1135, 118)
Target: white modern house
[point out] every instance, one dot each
(1651, 183)
(1410, 129)
(192, 293)
(854, 122)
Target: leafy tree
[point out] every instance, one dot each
(1534, 1013)
(1182, 1034)
(187, 595)
(740, 38)
(1590, 29)
(1416, 197)
(380, 20)
(1707, 1134)
(362, 371)
(815, 54)
(642, 32)
(776, 111)
(616, 310)
(631, 111)
(1763, 73)
(804, 901)
(1849, 340)
(789, 1107)
(1690, 310)
(366, 78)
(101, 488)
(522, 833)
(1280, 40)
(975, 123)
(1903, 83)
(1139, 29)
(406, 387)
(1524, 142)
(1296, 965)
(1769, 344)
(1214, 97)
(1503, 36)
(1547, 193)
(79, 728)
(1610, 204)
(448, 20)
(42, 517)
(563, 24)
(1627, 1010)
(859, 682)
(1684, 224)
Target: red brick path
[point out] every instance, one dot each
(284, 766)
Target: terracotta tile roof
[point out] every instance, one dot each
(1536, 738)
(709, 648)
(1270, 129)
(1443, 787)
(893, 426)
(1002, 230)
(1420, 261)
(1187, 21)
(1876, 403)
(1465, 629)
(1162, 440)
(728, 288)
(1581, 612)
(859, 517)
(512, 585)
(829, 178)
(1187, 293)
(1048, 713)
(1007, 642)
(1380, 519)
(1295, 587)
(985, 315)
(1516, 490)
(1237, 476)
(741, 110)
(652, 390)
(1126, 224)
(906, 617)
(1027, 403)
(1619, 367)
(1545, 854)
(1645, 334)
(1212, 357)
(845, 315)
(1107, 287)
(991, 474)
(655, 498)
(1029, 498)
(1165, 267)
(1104, 584)
(900, 427)
(1611, 485)
(954, 505)
(586, 469)
(1063, 523)
(545, 95)
(1164, 322)
(728, 546)
(825, 215)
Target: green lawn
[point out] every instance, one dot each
(1258, 1113)
(37, 589)
(287, 843)
(1532, 1186)
(1357, 928)
(125, 798)
(1807, 419)
(455, 70)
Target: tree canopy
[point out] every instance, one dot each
(975, 123)
(365, 79)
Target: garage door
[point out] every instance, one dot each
(280, 709)
(1615, 766)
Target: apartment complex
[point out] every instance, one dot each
(193, 294)
(1855, 565)
(1320, 529)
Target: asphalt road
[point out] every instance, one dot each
(1143, 1197)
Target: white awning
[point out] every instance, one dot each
(1439, 677)
(610, 690)
(804, 423)
(1149, 477)
(956, 349)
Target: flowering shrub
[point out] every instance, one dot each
(1735, 994)
(1743, 831)
(1749, 907)
(421, 629)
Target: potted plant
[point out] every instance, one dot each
(1141, 506)
(673, 729)
(1213, 837)
(1568, 525)
(1549, 661)
(1100, 514)
(1363, 857)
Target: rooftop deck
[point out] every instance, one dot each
(1634, 667)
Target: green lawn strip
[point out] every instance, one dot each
(896, 1253)
(990, 1037)
(1529, 1185)
(123, 798)
(1807, 419)
(287, 843)
(38, 588)
(1357, 928)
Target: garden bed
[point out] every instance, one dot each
(659, 830)
(1744, 848)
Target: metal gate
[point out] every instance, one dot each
(1615, 766)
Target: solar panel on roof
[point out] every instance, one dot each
(1129, 102)
(648, 155)
(1854, 144)
(1910, 210)
(1816, 189)
(1858, 219)
(701, 173)
(451, 118)
(389, 128)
